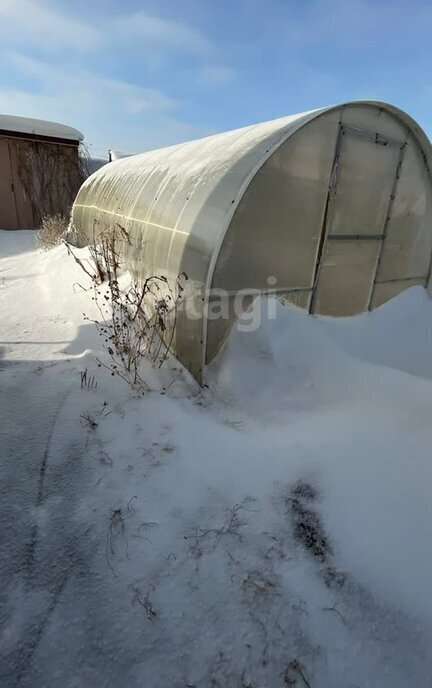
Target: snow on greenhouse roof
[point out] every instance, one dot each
(39, 127)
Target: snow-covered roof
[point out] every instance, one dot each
(39, 127)
(118, 155)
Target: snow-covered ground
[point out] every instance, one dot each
(272, 530)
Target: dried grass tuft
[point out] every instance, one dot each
(53, 231)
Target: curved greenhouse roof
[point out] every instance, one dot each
(330, 209)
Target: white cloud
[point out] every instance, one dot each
(33, 22)
(30, 22)
(156, 33)
(110, 113)
(64, 86)
(88, 89)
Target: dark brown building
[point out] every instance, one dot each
(39, 170)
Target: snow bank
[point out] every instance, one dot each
(361, 427)
(277, 524)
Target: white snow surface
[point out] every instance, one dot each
(166, 546)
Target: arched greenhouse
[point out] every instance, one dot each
(330, 209)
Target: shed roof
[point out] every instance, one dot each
(39, 127)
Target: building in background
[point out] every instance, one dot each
(40, 171)
(118, 155)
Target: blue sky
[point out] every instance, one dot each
(137, 75)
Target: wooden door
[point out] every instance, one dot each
(8, 211)
(361, 190)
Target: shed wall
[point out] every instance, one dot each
(37, 178)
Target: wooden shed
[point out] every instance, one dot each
(39, 170)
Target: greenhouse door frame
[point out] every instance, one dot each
(356, 251)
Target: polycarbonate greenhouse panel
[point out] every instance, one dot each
(367, 163)
(388, 290)
(255, 210)
(408, 243)
(346, 276)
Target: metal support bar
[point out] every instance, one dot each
(332, 186)
(387, 219)
(270, 290)
(402, 279)
(430, 176)
(356, 237)
(373, 136)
